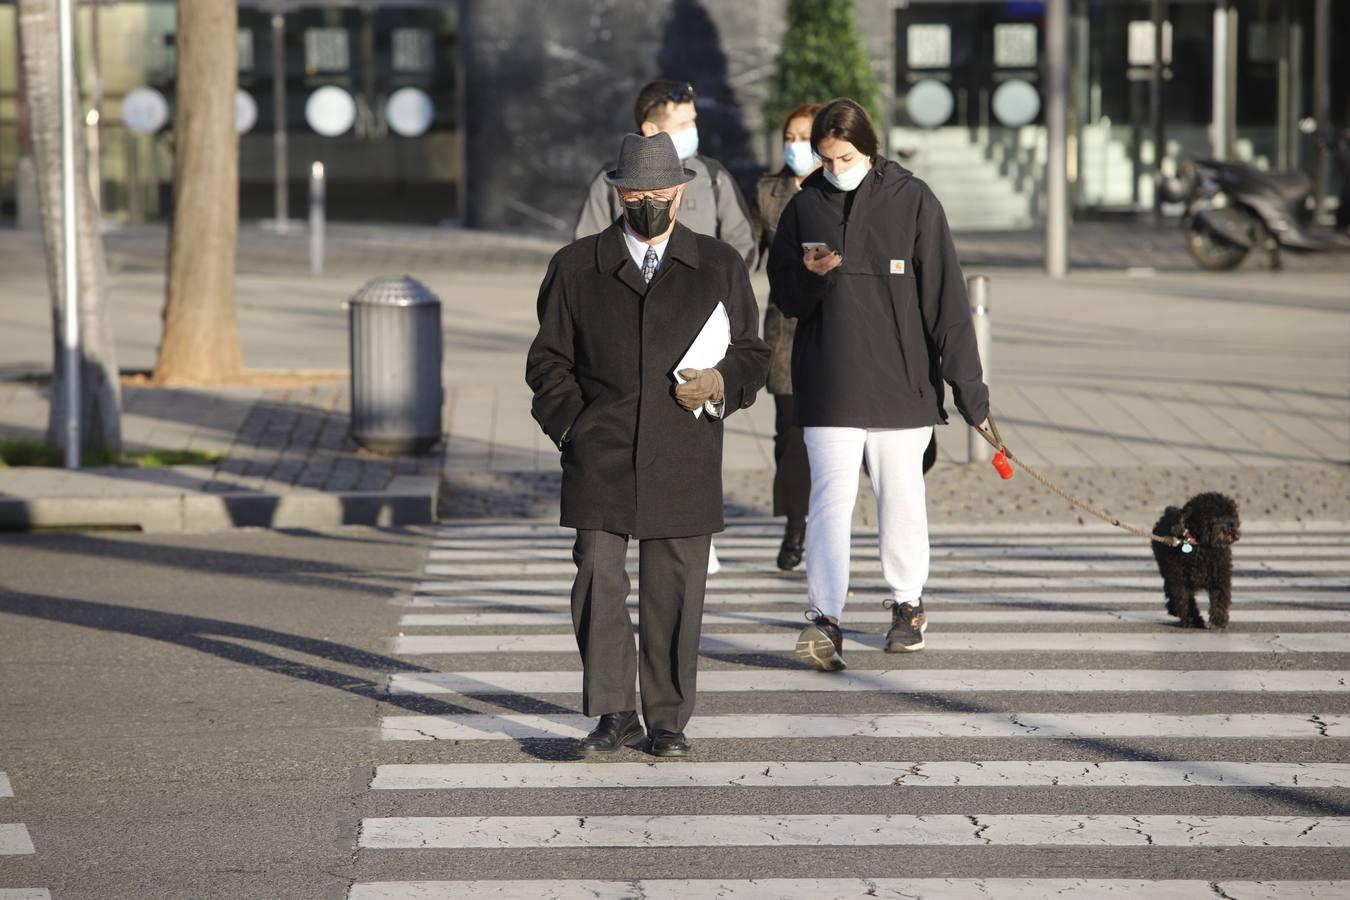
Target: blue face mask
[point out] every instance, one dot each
(686, 141)
(799, 157)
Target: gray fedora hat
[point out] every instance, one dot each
(648, 164)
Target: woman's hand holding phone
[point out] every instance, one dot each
(819, 259)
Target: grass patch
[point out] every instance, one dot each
(17, 452)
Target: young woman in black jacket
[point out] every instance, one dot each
(864, 260)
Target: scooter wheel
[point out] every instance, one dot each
(1212, 251)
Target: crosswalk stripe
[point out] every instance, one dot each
(838, 773)
(851, 888)
(6, 789)
(911, 681)
(533, 832)
(28, 894)
(772, 528)
(14, 841)
(1238, 726)
(1336, 600)
(718, 584)
(532, 553)
(735, 542)
(793, 619)
(951, 642)
(1021, 568)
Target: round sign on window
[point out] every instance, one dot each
(330, 111)
(410, 112)
(929, 103)
(144, 110)
(1016, 103)
(245, 112)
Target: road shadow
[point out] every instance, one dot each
(218, 638)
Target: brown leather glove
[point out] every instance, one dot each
(700, 386)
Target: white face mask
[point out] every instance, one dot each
(799, 157)
(685, 141)
(850, 178)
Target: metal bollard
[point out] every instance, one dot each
(316, 218)
(978, 286)
(396, 352)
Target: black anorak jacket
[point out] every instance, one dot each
(877, 337)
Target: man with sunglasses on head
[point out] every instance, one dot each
(640, 430)
(712, 203)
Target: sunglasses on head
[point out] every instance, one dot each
(682, 94)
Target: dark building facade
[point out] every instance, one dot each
(505, 109)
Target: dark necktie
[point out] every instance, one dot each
(649, 265)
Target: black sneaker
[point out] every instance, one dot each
(822, 643)
(908, 622)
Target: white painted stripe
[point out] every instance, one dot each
(869, 570)
(766, 527)
(840, 773)
(941, 616)
(796, 601)
(14, 841)
(533, 832)
(6, 789)
(908, 681)
(767, 553)
(851, 888)
(766, 548)
(1237, 726)
(1176, 641)
(718, 584)
(28, 894)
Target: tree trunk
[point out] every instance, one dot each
(100, 417)
(201, 334)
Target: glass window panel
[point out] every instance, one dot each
(245, 50)
(1015, 45)
(326, 50)
(413, 50)
(1141, 43)
(929, 46)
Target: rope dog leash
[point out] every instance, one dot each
(1004, 455)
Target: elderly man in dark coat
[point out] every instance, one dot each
(642, 448)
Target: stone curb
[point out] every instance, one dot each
(408, 500)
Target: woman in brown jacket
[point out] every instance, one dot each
(792, 477)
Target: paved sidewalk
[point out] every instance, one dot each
(286, 460)
(1135, 389)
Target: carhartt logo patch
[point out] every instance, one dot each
(897, 267)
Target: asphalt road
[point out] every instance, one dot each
(242, 716)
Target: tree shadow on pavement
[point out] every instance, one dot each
(218, 638)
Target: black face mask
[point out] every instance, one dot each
(648, 216)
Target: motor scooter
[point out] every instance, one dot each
(1233, 208)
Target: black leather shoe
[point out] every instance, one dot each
(668, 743)
(794, 544)
(615, 730)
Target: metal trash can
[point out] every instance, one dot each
(394, 325)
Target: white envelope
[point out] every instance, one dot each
(709, 348)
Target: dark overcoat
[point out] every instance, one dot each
(878, 336)
(634, 461)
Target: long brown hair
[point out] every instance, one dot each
(801, 111)
(845, 120)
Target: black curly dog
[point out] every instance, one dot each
(1210, 522)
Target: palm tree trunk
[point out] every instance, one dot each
(201, 332)
(100, 416)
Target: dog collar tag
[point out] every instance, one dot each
(1187, 547)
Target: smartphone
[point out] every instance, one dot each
(818, 246)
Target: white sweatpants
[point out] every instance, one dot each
(895, 462)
